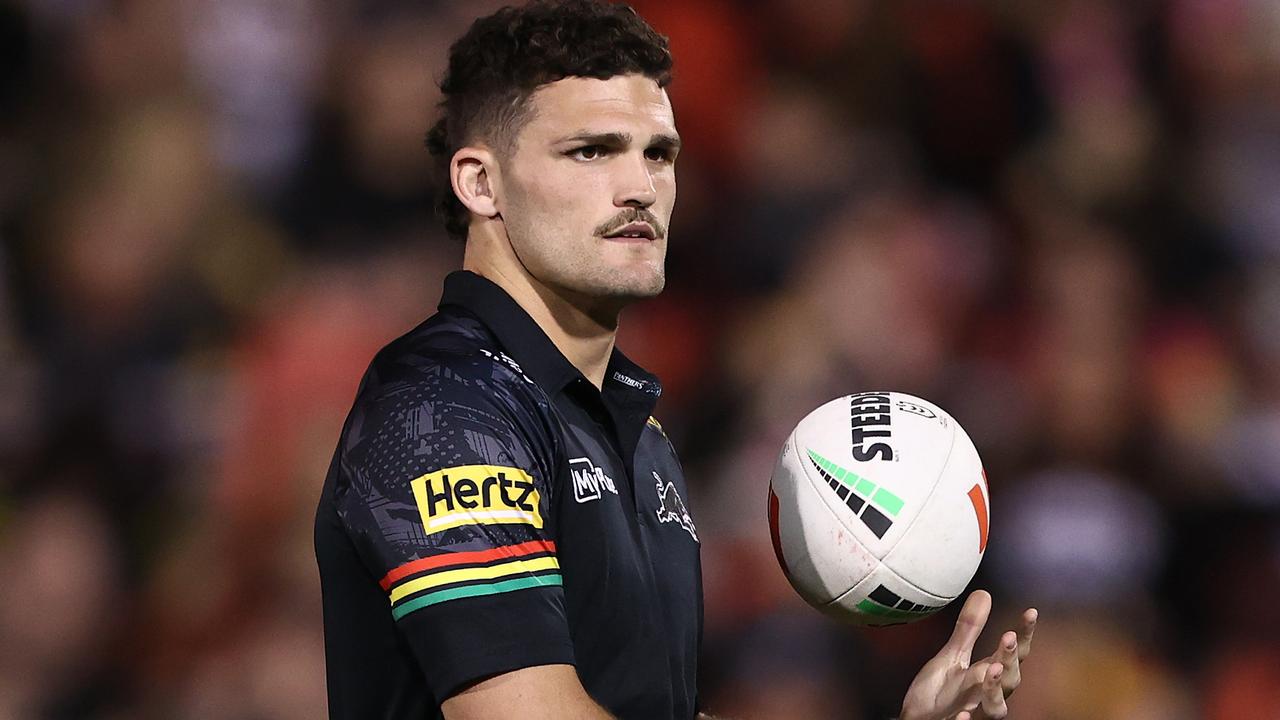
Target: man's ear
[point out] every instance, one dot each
(473, 172)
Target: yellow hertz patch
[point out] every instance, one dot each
(476, 495)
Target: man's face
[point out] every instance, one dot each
(589, 187)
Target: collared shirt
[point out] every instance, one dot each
(489, 509)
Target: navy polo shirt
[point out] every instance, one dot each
(489, 509)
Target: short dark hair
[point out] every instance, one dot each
(497, 65)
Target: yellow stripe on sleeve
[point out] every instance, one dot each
(492, 572)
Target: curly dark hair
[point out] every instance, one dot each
(497, 65)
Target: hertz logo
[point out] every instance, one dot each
(476, 495)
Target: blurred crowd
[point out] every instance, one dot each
(1058, 220)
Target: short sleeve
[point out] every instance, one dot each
(445, 491)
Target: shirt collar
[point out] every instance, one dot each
(526, 343)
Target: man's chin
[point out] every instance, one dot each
(642, 289)
(624, 291)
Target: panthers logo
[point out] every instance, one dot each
(671, 508)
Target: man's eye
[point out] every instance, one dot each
(658, 155)
(588, 152)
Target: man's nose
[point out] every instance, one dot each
(635, 186)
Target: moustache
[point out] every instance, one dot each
(628, 216)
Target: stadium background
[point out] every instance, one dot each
(1059, 220)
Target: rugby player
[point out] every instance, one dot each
(504, 531)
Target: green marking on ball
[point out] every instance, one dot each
(878, 496)
(865, 487)
(883, 602)
(888, 501)
(871, 607)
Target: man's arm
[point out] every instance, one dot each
(545, 692)
(445, 488)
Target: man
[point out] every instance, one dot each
(503, 531)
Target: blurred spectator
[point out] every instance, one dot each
(59, 623)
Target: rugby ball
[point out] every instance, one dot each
(879, 508)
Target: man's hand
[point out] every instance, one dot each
(950, 687)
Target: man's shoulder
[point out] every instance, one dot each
(450, 357)
(436, 391)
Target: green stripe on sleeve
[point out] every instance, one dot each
(434, 598)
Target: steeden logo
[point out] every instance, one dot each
(476, 495)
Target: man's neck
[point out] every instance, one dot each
(584, 337)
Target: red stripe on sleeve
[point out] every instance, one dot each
(465, 558)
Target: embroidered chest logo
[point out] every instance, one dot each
(671, 508)
(589, 481)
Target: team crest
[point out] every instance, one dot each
(671, 508)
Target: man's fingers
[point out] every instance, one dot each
(1029, 619)
(993, 704)
(974, 677)
(983, 691)
(973, 617)
(1007, 656)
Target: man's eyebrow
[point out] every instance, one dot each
(612, 139)
(663, 140)
(620, 139)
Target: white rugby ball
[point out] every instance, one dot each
(879, 508)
